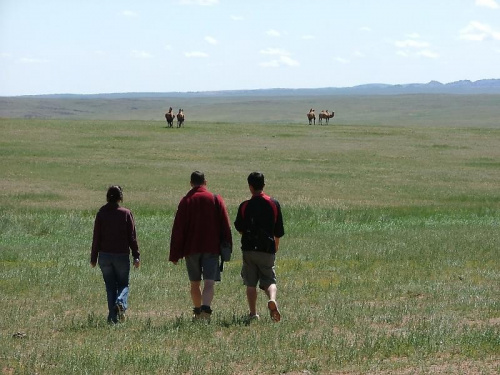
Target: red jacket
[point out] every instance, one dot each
(200, 223)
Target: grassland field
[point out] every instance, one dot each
(390, 262)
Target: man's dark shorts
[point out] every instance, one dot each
(203, 265)
(258, 267)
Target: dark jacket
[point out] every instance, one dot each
(201, 222)
(114, 232)
(259, 220)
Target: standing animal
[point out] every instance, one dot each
(169, 116)
(180, 118)
(311, 116)
(325, 115)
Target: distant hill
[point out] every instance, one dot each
(466, 87)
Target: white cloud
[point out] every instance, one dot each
(478, 32)
(365, 29)
(196, 54)
(283, 58)
(428, 53)
(236, 18)
(129, 13)
(199, 2)
(410, 43)
(413, 47)
(359, 54)
(492, 4)
(273, 33)
(274, 51)
(287, 60)
(5, 55)
(141, 54)
(308, 37)
(211, 40)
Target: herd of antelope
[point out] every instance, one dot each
(311, 116)
(170, 117)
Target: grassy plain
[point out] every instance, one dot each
(390, 262)
(395, 110)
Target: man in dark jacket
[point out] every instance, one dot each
(200, 224)
(260, 223)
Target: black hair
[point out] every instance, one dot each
(256, 180)
(198, 178)
(114, 194)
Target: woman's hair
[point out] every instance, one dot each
(256, 180)
(114, 194)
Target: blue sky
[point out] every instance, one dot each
(104, 46)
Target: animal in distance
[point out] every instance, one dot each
(169, 116)
(311, 116)
(325, 115)
(180, 118)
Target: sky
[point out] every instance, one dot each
(117, 46)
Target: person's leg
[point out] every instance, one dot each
(271, 292)
(208, 292)
(250, 276)
(122, 270)
(252, 300)
(268, 284)
(108, 274)
(207, 296)
(211, 274)
(193, 266)
(122, 267)
(196, 293)
(272, 305)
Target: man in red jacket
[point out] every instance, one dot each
(200, 224)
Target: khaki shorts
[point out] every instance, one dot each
(258, 268)
(203, 264)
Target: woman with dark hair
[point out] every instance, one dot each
(114, 237)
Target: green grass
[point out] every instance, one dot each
(390, 262)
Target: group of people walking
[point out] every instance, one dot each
(200, 227)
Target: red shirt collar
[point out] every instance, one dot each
(201, 188)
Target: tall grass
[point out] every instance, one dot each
(389, 263)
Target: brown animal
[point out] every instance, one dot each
(311, 116)
(180, 118)
(169, 116)
(325, 115)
